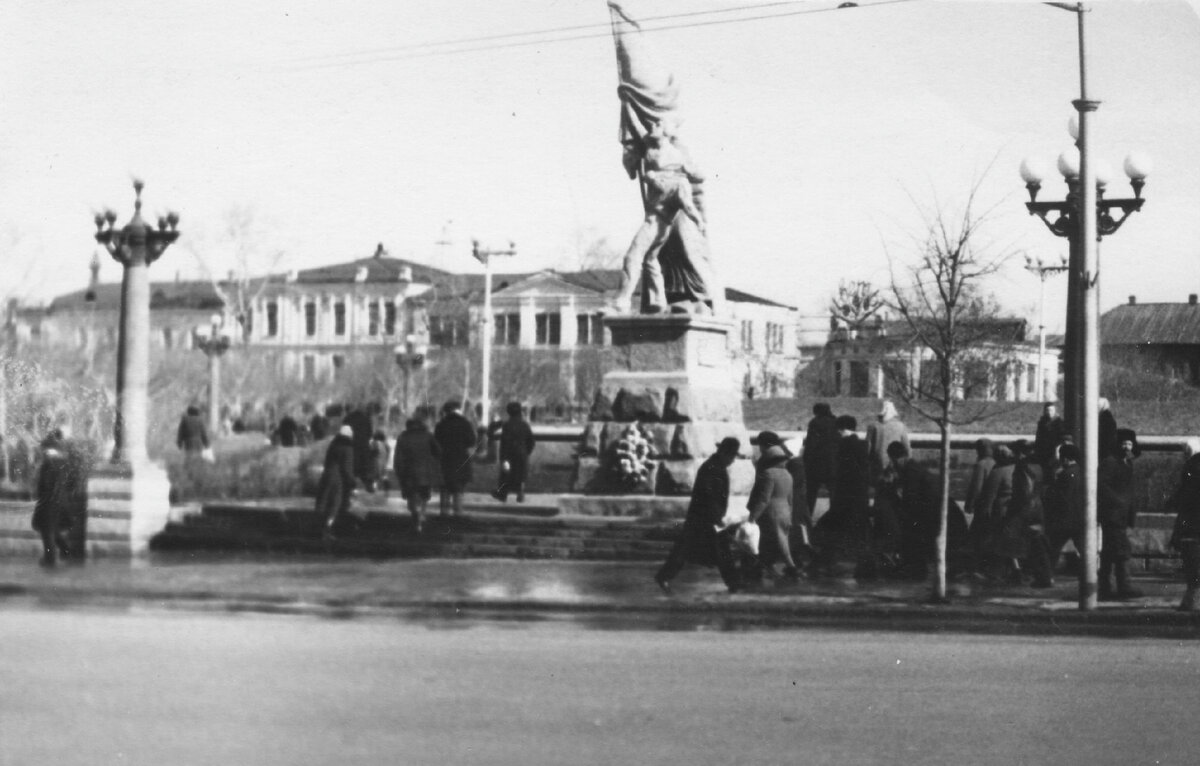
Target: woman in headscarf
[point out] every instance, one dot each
(337, 480)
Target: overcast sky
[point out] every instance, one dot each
(823, 132)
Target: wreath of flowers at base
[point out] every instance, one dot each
(631, 460)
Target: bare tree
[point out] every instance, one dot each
(238, 247)
(855, 303)
(955, 325)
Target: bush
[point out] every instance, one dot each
(245, 468)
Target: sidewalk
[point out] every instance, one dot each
(595, 594)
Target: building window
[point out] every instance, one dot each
(272, 319)
(389, 319)
(860, 379)
(339, 318)
(549, 329)
(747, 335)
(508, 330)
(590, 329)
(774, 337)
(1031, 379)
(309, 373)
(339, 365)
(167, 337)
(310, 319)
(373, 318)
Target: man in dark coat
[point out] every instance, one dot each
(456, 439)
(287, 430)
(1186, 536)
(1027, 513)
(1063, 503)
(360, 424)
(416, 462)
(1116, 494)
(192, 436)
(337, 480)
(1051, 430)
(52, 499)
(820, 441)
(770, 504)
(845, 529)
(516, 445)
(700, 541)
(919, 497)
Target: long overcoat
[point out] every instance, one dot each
(770, 506)
(337, 479)
(53, 498)
(1115, 490)
(456, 439)
(710, 501)
(417, 459)
(848, 516)
(516, 444)
(1186, 502)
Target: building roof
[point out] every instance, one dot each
(198, 295)
(1152, 324)
(741, 296)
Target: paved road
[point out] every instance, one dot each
(95, 687)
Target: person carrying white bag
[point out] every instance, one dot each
(706, 539)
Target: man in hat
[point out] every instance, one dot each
(845, 529)
(1117, 493)
(456, 441)
(700, 541)
(51, 507)
(770, 505)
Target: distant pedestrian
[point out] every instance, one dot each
(845, 529)
(287, 431)
(318, 426)
(516, 445)
(1027, 513)
(192, 435)
(820, 441)
(1051, 430)
(1186, 536)
(416, 463)
(888, 428)
(991, 511)
(702, 541)
(362, 427)
(378, 449)
(336, 487)
(51, 508)
(1117, 492)
(801, 542)
(770, 505)
(1063, 503)
(456, 438)
(984, 463)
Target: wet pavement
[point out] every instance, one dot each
(606, 595)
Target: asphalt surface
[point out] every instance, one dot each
(96, 687)
(600, 594)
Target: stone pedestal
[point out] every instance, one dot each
(127, 505)
(672, 377)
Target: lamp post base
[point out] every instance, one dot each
(128, 504)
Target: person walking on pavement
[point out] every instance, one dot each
(845, 529)
(984, 463)
(771, 501)
(336, 487)
(1063, 504)
(456, 440)
(919, 493)
(820, 441)
(1027, 514)
(192, 435)
(416, 464)
(516, 445)
(701, 542)
(991, 510)
(1117, 492)
(1185, 537)
(52, 501)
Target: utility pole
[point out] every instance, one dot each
(1043, 270)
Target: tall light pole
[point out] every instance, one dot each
(1043, 270)
(214, 340)
(1084, 217)
(484, 256)
(135, 247)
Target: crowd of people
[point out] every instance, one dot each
(1024, 502)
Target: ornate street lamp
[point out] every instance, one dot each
(1084, 217)
(213, 340)
(135, 247)
(410, 356)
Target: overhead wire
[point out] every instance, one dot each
(507, 41)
